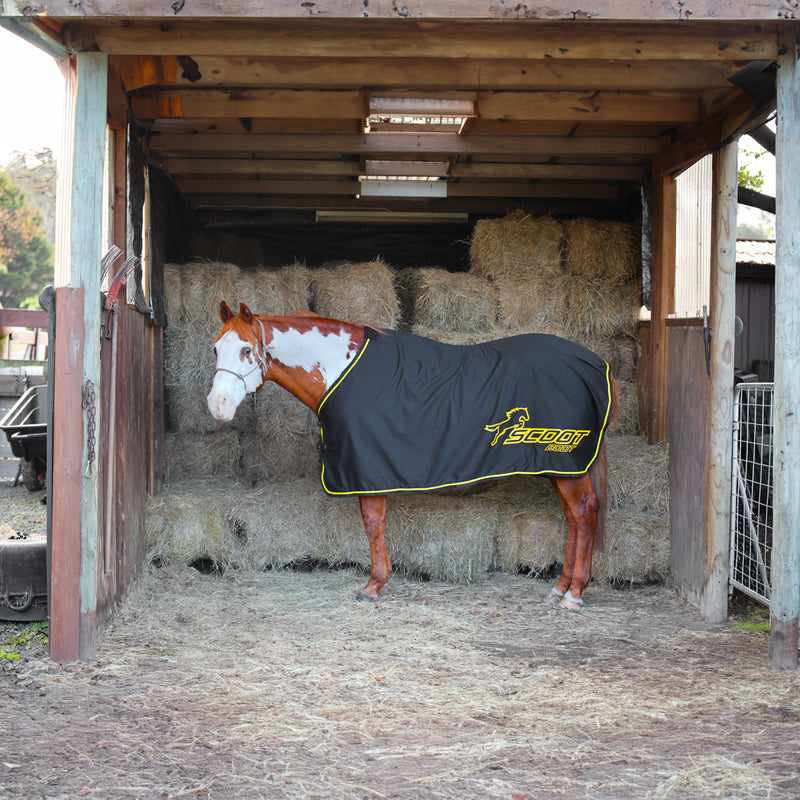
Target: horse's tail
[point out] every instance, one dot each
(598, 475)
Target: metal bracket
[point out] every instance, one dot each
(708, 335)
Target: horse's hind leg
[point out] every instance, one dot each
(373, 512)
(580, 504)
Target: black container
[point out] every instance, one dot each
(23, 579)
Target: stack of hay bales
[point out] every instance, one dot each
(246, 494)
(356, 292)
(579, 279)
(272, 436)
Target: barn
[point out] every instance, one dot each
(360, 140)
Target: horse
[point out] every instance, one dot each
(317, 360)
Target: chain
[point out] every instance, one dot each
(89, 404)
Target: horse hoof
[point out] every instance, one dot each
(571, 603)
(367, 598)
(554, 597)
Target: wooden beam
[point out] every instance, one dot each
(423, 74)
(23, 318)
(785, 567)
(714, 601)
(621, 107)
(673, 10)
(385, 143)
(447, 38)
(274, 168)
(462, 189)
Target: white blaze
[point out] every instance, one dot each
(310, 351)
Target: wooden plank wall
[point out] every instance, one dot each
(686, 407)
(134, 421)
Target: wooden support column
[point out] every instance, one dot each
(662, 302)
(714, 602)
(785, 567)
(77, 367)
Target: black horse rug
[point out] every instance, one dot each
(412, 415)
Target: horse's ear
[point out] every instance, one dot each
(225, 312)
(245, 313)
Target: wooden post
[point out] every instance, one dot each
(77, 369)
(714, 603)
(785, 567)
(662, 302)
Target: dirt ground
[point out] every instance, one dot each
(281, 685)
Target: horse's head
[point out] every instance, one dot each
(241, 366)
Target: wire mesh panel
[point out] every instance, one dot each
(751, 490)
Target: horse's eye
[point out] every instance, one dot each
(246, 351)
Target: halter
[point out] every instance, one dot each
(260, 362)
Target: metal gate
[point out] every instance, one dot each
(751, 490)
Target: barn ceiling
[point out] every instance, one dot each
(446, 116)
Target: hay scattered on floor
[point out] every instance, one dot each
(450, 301)
(517, 244)
(356, 292)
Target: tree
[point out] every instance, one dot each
(26, 257)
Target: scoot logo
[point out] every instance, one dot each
(512, 430)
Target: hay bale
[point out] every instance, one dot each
(600, 249)
(627, 414)
(451, 301)
(638, 475)
(278, 524)
(531, 304)
(637, 548)
(532, 530)
(621, 353)
(206, 284)
(282, 443)
(438, 537)
(454, 337)
(281, 291)
(517, 244)
(173, 292)
(356, 292)
(188, 522)
(202, 455)
(598, 308)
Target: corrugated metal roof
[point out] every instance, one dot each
(755, 251)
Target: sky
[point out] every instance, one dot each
(31, 98)
(32, 94)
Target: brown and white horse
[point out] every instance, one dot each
(305, 354)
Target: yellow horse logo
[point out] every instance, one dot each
(516, 418)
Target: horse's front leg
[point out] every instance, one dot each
(580, 504)
(373, 512)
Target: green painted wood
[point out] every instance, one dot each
(85, 253)
(785, 567)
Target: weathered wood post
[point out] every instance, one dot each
(785, 567)
(714, 603)
(77, 363)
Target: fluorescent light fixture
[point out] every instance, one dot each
(403, 188)
(397, 168)
(419, 114)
